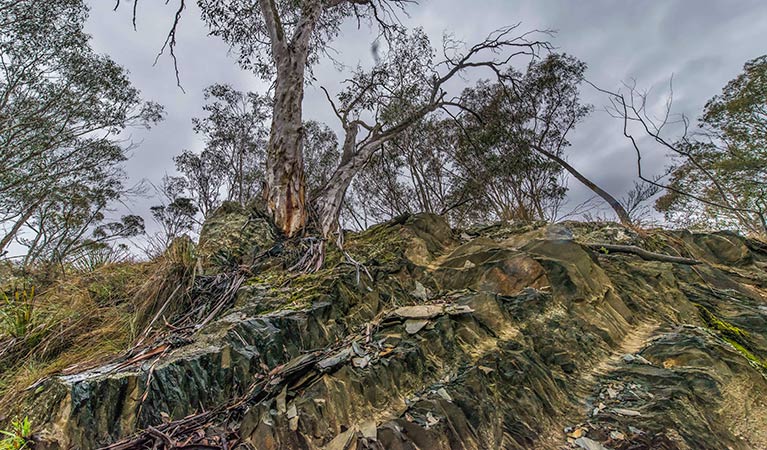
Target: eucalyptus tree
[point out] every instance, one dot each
(415, 172)
(517, 136)
(485, 162)
(235, 130)
(62, 107)
(74, 222)
(512, 148)
(720, 173)
(408, 84)
(232, 163)
(231, 166)
(176, 214)
(281, 40)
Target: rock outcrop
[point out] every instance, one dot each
(425, 338)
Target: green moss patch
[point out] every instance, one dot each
(735, 336)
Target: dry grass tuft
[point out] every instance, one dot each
(86, 317)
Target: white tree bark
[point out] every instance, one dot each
(285, 191)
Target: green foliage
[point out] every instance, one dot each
(479, 166)
(232, 163)
(17, 312)
(66, 105)
(498, 156)
(17, 437)
(725, 164)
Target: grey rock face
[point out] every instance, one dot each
(522, 334)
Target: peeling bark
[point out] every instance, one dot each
(285, 181)
(285, 190)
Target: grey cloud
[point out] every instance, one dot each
(703, 43)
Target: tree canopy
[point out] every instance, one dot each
(720, 177)
(62, 107)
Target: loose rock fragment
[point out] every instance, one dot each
(341, 441)
(442, 392)
(627, 412)
(458, 309)
(335, 360)
(361, 362)
(419, 311)
(589, 444)
(413, 326)
(369, 429)
(420, 292)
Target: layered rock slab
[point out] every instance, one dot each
(535, 312)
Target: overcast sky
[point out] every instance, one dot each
(702, 43)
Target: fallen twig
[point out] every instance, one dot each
(642, 253)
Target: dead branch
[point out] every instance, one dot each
(642, 253)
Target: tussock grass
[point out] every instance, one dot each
(84, 317)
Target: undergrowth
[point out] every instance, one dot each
(82, 318)
(17, 436)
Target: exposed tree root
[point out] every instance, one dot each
(313, 258)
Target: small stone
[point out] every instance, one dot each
(643, 360)
(629, 358)
(617, 436)
(627, 412)
(332, 361)
(431, 420)
(292, 411)
(413, 326)
(578, 432)
(597, 409)
(361, 362)
(589, 444)
(634, 430)
(341, 441)
(369, 429)
(485, 370)
(442, 392)
(281, 401)
(420, 292)
(419, 311)
(454, 310)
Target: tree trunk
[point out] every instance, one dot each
(623, 216)
(285, 191)
(331, 199)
